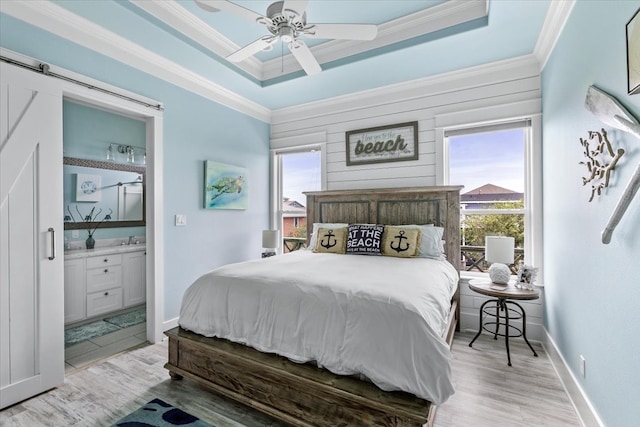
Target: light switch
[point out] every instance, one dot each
(181, 220)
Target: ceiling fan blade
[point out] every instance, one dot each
(342, 31)
(304, 56)
(227, 6)
(206, 5)
(252, 48)
(297, 5)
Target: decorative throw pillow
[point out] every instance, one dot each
(331, 240)
(365, 239)
(431, 244)
(400, 241)
(313, 240)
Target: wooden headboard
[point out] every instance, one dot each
(392, 206)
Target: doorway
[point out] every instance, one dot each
(104, 171)
(153, 121)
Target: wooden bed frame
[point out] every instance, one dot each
(302, 394)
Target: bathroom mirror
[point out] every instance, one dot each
(103, 189)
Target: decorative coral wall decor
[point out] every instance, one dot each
(601, 160)
(612, 113)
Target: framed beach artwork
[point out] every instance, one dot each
(88, 187)
(633, 54)
(382, 144)
(225, 186)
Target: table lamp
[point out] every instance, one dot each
(499, 252)
(270, 242)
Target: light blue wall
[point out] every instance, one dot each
(592, 290)
(195, 129)
(86, 133)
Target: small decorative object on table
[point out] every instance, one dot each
(526, 277)
(270, 242)
(499, 252)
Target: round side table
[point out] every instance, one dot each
(504, 309)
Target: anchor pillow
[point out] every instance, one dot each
(314, 233)
(400, 242)
(365, 239)
(331, 240)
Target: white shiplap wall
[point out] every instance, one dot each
(429, 101)
(506, 82)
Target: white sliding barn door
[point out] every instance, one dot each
(31, 258)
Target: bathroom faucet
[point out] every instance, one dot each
(130, 239)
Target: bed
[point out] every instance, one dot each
(293, 388)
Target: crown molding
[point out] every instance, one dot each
(557, 16)
(59, 21)
(523, 66)
(172, 14)
(443, 15)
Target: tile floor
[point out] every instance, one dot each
(96, 349)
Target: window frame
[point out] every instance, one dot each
(495, 116)
(276, 180)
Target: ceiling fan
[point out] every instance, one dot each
(287, 21)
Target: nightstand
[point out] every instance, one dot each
(503, 309)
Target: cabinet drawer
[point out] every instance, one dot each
(104, 261)
(104, 301)
(99, 279)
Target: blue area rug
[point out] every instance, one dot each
(128, 319)
(160, 414)
(99, 328)
(86, 332)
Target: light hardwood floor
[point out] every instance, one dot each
(488, 392)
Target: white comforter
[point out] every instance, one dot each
(379, 316)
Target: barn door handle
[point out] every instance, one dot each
(53, 243)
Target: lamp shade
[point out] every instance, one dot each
(499, 249)
(270, 239)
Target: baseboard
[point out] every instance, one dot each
(585, 410)
(169, 324)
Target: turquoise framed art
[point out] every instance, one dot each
(225, 186)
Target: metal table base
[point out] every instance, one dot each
(501, 305)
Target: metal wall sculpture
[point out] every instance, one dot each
(601, 160)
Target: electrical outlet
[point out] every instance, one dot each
(181, 220)
(583, 366)
(75, 234)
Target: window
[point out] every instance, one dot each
(296, 171)
(492, 162)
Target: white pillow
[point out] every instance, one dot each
(314, 234)
(431, 243)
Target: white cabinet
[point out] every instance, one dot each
(134, 277)
(104, 302)
(99, 284)
(74, 290)
(104, 284)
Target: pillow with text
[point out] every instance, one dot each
(365, 239)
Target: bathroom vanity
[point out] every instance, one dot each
(103, 280)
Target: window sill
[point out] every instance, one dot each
(468, 275)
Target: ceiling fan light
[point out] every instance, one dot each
(286, 34)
